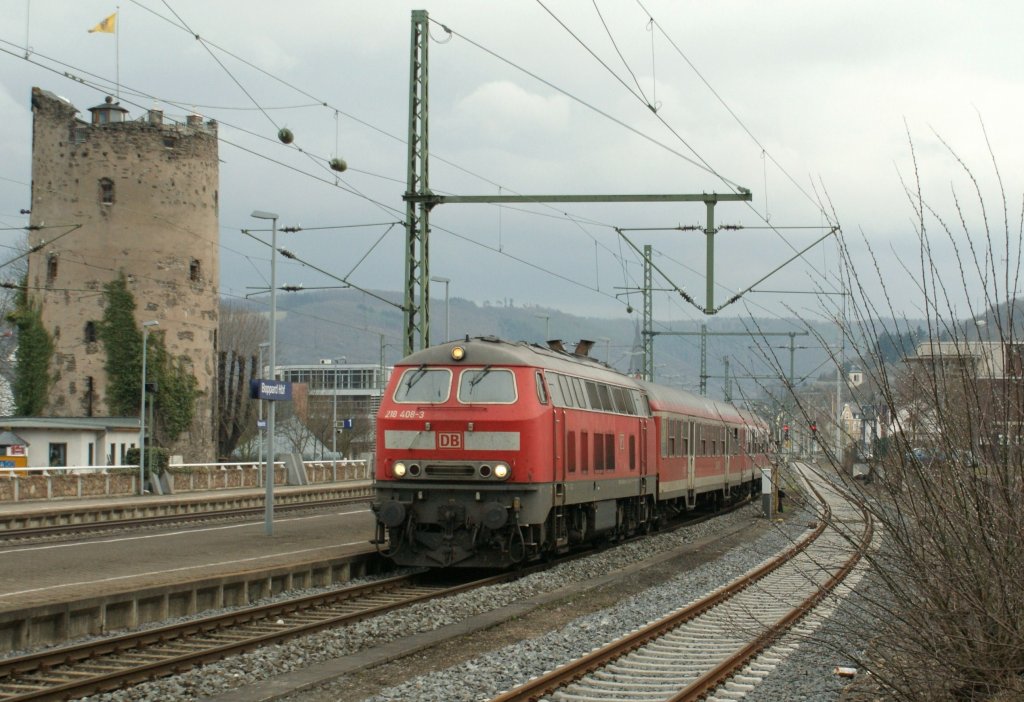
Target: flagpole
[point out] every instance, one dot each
(117, 53)
(28, 13)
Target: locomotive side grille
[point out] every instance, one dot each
(450, 471)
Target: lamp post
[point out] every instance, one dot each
(142, 407)
(268, 514)
(446, 281)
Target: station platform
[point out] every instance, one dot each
(77, 510)
(51, 592)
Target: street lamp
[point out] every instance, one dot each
(142, 411)
(446, 281)
(268, 515)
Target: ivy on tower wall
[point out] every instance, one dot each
(32, 379)
(174, 402)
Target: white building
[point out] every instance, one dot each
(65, 441)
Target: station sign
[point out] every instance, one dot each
(270, 390)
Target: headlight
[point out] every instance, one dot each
(399, 470)
(501, 471)
(458, 353)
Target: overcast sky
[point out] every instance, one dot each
(794, 101)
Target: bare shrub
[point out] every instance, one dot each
(947, 619)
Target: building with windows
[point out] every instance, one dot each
(113, 196)
(352, 391)
(87, 441)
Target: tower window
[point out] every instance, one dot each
(90, 332)
(106, 191)
(51, 269)
(194, 270)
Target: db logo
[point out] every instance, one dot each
(449, 440)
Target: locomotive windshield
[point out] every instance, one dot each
(487, 385)
(424, 385)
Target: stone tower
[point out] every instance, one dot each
(143, 196)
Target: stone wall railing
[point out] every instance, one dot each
(58, 483)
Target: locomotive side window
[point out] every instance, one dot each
(593, 396)
(542, 392)
(605, 392)
(577, 391)
(424, 385)
(487, 384)
(568, 392)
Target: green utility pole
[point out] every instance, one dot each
(645, 337)
(419, 200)
(704, 333)
(417, 212)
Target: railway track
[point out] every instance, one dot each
(711, 646)
(75, 529)
(112, 663)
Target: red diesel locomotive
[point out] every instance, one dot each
(492, 453)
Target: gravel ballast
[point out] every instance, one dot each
(810, 676)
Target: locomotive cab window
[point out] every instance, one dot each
(424, 385)
(488, 385)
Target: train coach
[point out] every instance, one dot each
(491, 453)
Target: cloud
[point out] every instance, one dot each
(503, 113)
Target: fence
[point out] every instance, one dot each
(57, 483)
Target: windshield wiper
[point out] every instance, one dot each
(416, 377)
(484, 372)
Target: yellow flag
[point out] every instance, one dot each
(107, 26)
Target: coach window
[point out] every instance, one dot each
(487, 385)
(686, 438)
(542, 392)
(423, 385)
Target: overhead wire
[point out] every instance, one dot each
(679, 137)
(100, 81)
(575, 219)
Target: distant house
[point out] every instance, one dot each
(65, 441)
(978, 384)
